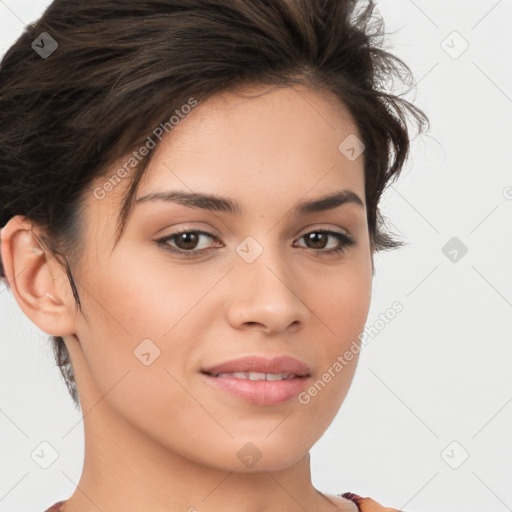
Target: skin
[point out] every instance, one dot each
(161, 428)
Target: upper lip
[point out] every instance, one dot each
(282, 364)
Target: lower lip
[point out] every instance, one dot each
(260, 392)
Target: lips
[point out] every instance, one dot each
(255, 364)
(259, 380)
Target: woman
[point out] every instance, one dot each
(189, 193)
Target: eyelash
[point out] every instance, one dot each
(346, 242)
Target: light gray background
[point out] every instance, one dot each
(439, 373)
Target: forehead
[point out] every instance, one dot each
(273, 142)
(258, 114)
(244, 137)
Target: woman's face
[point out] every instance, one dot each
(264, 283)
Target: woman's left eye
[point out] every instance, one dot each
(185, 242)
(344, 240)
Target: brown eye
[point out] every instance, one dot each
(186, 242)
(318, 240)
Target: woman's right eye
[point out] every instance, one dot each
(185, 242)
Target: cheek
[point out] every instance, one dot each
(342, 301)
(133, 366)
(139, 299)
(143, 321)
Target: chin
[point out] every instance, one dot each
(258, 455)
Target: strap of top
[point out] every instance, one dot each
(367, 504)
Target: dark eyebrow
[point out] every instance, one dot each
(222, 204)
(328, 202)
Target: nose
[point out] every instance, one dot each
(266, 295)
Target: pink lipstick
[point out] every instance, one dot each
(260, 380)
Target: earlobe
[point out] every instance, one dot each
(33, 274)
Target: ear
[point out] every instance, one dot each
(39, 284)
